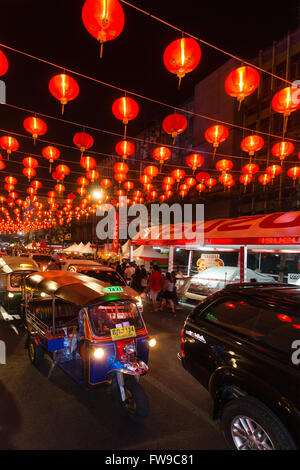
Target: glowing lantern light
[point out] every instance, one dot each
(242, 82)
(10, 144)
(125, 109)
(163, 197)
(210, 183)
(128, 185)
(35, 126)
(216, 135)
(31, 191)
(148, 187)
(178, 175)
(93, 175)
(51, 153)
(252, 144)
(10, 180)
(36, 185)
(282, 150)
(2, 165)
(182, 56)
(125, 149)
(3, 63)
(106, 183)
(120, 193)
(190, 182)
(151, 171)
(225, 177)
(174, 124)
(228, 184)
(224, 165)
(195, 161)
(201, 187)
(273, 170)
(294, 173)
(168, 194)
(169, 180)
(82, 181)
(59, 188)
(120, 177)
(284, 102)
(121, 167)
(202, 177)
(152, 195)
(265, 179)
(137, 193)
(83, 141)
(246, 179)
(162, 154)
(30, 162)
(104, 20)
(29, 172)
(62, 171)
(250, 169)
(81, 191)
(88, 163)
(64, 88)
(183, 193)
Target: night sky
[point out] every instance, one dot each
(53, 30)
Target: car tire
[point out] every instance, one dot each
(35, 352)
(247, 424)
(137, 403)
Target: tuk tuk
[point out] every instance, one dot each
(95, 333)
(13, 270)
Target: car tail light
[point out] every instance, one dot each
(182, 343)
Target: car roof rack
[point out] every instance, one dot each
(245, 285)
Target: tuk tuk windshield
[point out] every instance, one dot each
(112, 315)
(16, 279)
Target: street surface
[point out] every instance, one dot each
(55, 413)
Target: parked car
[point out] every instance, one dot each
(73, 264)
(42, 260)
(240, 345)
(213, 279)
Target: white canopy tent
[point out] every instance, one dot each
(71, 249)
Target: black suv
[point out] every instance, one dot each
(243, 345)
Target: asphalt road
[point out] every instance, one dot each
(55, 413)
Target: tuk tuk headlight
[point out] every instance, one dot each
(139, 301)
(152, 342)
(98, 353)
(10, 295)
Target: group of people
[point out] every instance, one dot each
(161, 287)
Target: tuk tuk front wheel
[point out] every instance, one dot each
(136, 405)
(35, 352)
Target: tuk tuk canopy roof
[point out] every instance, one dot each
(68, 286)
(11, 264)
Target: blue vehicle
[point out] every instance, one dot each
(94, 332)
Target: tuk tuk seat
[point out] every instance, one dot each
(64, 312)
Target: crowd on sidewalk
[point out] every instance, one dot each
(156, 286)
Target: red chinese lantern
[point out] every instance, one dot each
(2, 165)
(93, 175)
(252, 144)
(36, 185)
(35, 126)
(30, 162)
(242, 82)
(88, 163)
(52, 194)
(182, 56)
(31, 191)
(62, 170)
(195, 161)
(228, 184)
(128, 185)
(225, 177)
(125, 149)
(174, 124)
(120, 177)
(11, 180)
(162, 154)
(168, 194)
(210, 183)
(202, 177)
(29, 172)
(120, 193)
(82, 181)
(273, 170)
(83, 140)
(201, 187)
(190, 182)
(178, 175)
(104, 20)
(3, 63)
(81, 191)
(51, 153)
(151, 171)
(294, 173)
(246, 179)
(250, 169)
(148, 187)
(224, 165)
(106, 183)
(10, 144)
(216, 135)
(64, 88)
(137, 193)
(183, 193)
(286, 102)
(152, 195)
(169, 180)
(265, 179)
(282, 150)
(125, 109)
(163, 197)
(59, 188)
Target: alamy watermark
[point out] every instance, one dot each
(151, 222)
(296, 92)
(2, 92)
(296, 354)
(2, 353)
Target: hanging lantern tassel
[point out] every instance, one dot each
(8, 153)
(240, 104)
(63, 103)
(215, 151)
(101, 49)
(35, 136)
(125, 122)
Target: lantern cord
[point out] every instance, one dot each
(137, 95)
(207, 43)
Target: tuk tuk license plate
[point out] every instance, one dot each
(122, 333)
